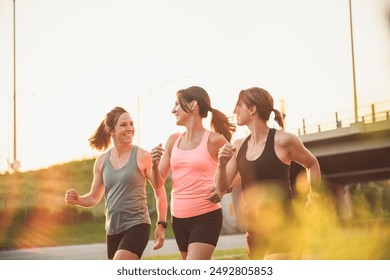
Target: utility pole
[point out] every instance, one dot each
(15, 164)
(355, 104)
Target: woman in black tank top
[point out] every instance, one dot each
(262, 161)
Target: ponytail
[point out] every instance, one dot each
(220, 123)
(263, 101)
(279, 118)
(100, 140)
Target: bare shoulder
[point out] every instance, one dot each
(173, 137)
(286, 139)
(101, 158)
(217, 139)
(238, 143)
(98, 166)
(171, 140)
(142, 153)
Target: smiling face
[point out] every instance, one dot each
(123, 131)
(192, 101)
(180, 114)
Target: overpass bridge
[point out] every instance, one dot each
(351, 152)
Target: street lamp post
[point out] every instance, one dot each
(15, 164)
(355, 106)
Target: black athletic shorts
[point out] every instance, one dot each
(271, 231)
(133, 239)
(203, 228)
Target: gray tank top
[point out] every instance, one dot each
(125, 194)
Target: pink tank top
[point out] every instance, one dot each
(193, 174)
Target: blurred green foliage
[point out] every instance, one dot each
(33, 211)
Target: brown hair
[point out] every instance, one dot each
(263, 101)
(219, 121)
(101, 138)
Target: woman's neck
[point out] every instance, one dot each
(259, 131)
(195, 129)
(122, 149)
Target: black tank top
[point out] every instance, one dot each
(266, 170)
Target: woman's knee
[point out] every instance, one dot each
(125, 255)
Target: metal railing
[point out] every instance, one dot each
(367, 114)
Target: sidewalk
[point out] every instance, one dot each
(98, 251)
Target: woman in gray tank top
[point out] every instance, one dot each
(120, 175)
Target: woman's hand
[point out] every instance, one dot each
(215, 195)
(225, 153)
(156, 155)
(71, 196)
(159, 237)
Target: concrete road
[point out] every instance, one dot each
(98, 251)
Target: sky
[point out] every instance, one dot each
(78, 59)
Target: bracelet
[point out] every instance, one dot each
(229, 190)
(163, 223)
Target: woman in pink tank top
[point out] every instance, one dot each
(192, 158)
